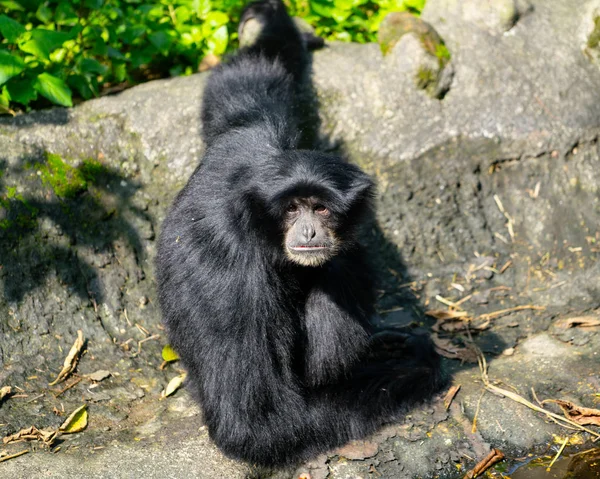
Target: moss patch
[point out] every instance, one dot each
(594, 38)
(425, 77)
(14, 204)
(442, 53)
(67, 181)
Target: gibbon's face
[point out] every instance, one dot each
(309, 236)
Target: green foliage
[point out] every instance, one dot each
(350, 20)
(52, 51)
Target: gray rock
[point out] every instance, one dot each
(504, 167)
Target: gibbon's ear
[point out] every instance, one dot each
(360, 189)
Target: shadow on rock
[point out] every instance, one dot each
(63, 219)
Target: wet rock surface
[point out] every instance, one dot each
(488, 201)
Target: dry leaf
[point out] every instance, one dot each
(45, 436)
(71, 360)
(99, 375)
(450, 395)
(168, 354)
(4, 392)
(581, 415)
(580, 321)
(76, 422)
(494, 456)
(174, 385)
(447, 349)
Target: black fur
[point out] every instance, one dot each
(278, 355)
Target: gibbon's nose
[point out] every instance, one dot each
(308, 232)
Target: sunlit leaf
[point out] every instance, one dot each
(174, 385)
(217, 44)
(168, 354)
(11, 5)
(43, 42)
(201, 7)
(76, 422)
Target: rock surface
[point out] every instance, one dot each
(491, 191)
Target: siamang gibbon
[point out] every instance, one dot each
(265, 290)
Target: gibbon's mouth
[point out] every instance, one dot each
(303, 249)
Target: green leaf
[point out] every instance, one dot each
(10, 29)
(93, 4)
(217, 43)
(4, 99)
(21, 90)
(44, 13)
(323, 8)
(43, 42)
(132, 33)
(120, 71)
(10, 65)
(82, 85)
(65, 14)
(76, 422)
(201, 7)
(216, 19)
(115, 54)
(54, 89)
(168, 354)
(161, 41)
(12, 5)
(91, 65)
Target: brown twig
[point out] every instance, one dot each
(12, 456)
(506, 266)
(77, 381)
(502, 312)
(474, 427)
(450, 395)
(154, 336)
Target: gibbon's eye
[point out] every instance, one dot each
(291, 208)
(321, 210)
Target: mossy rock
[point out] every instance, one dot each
(68, 181)
(429, 58)
(397, 24)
